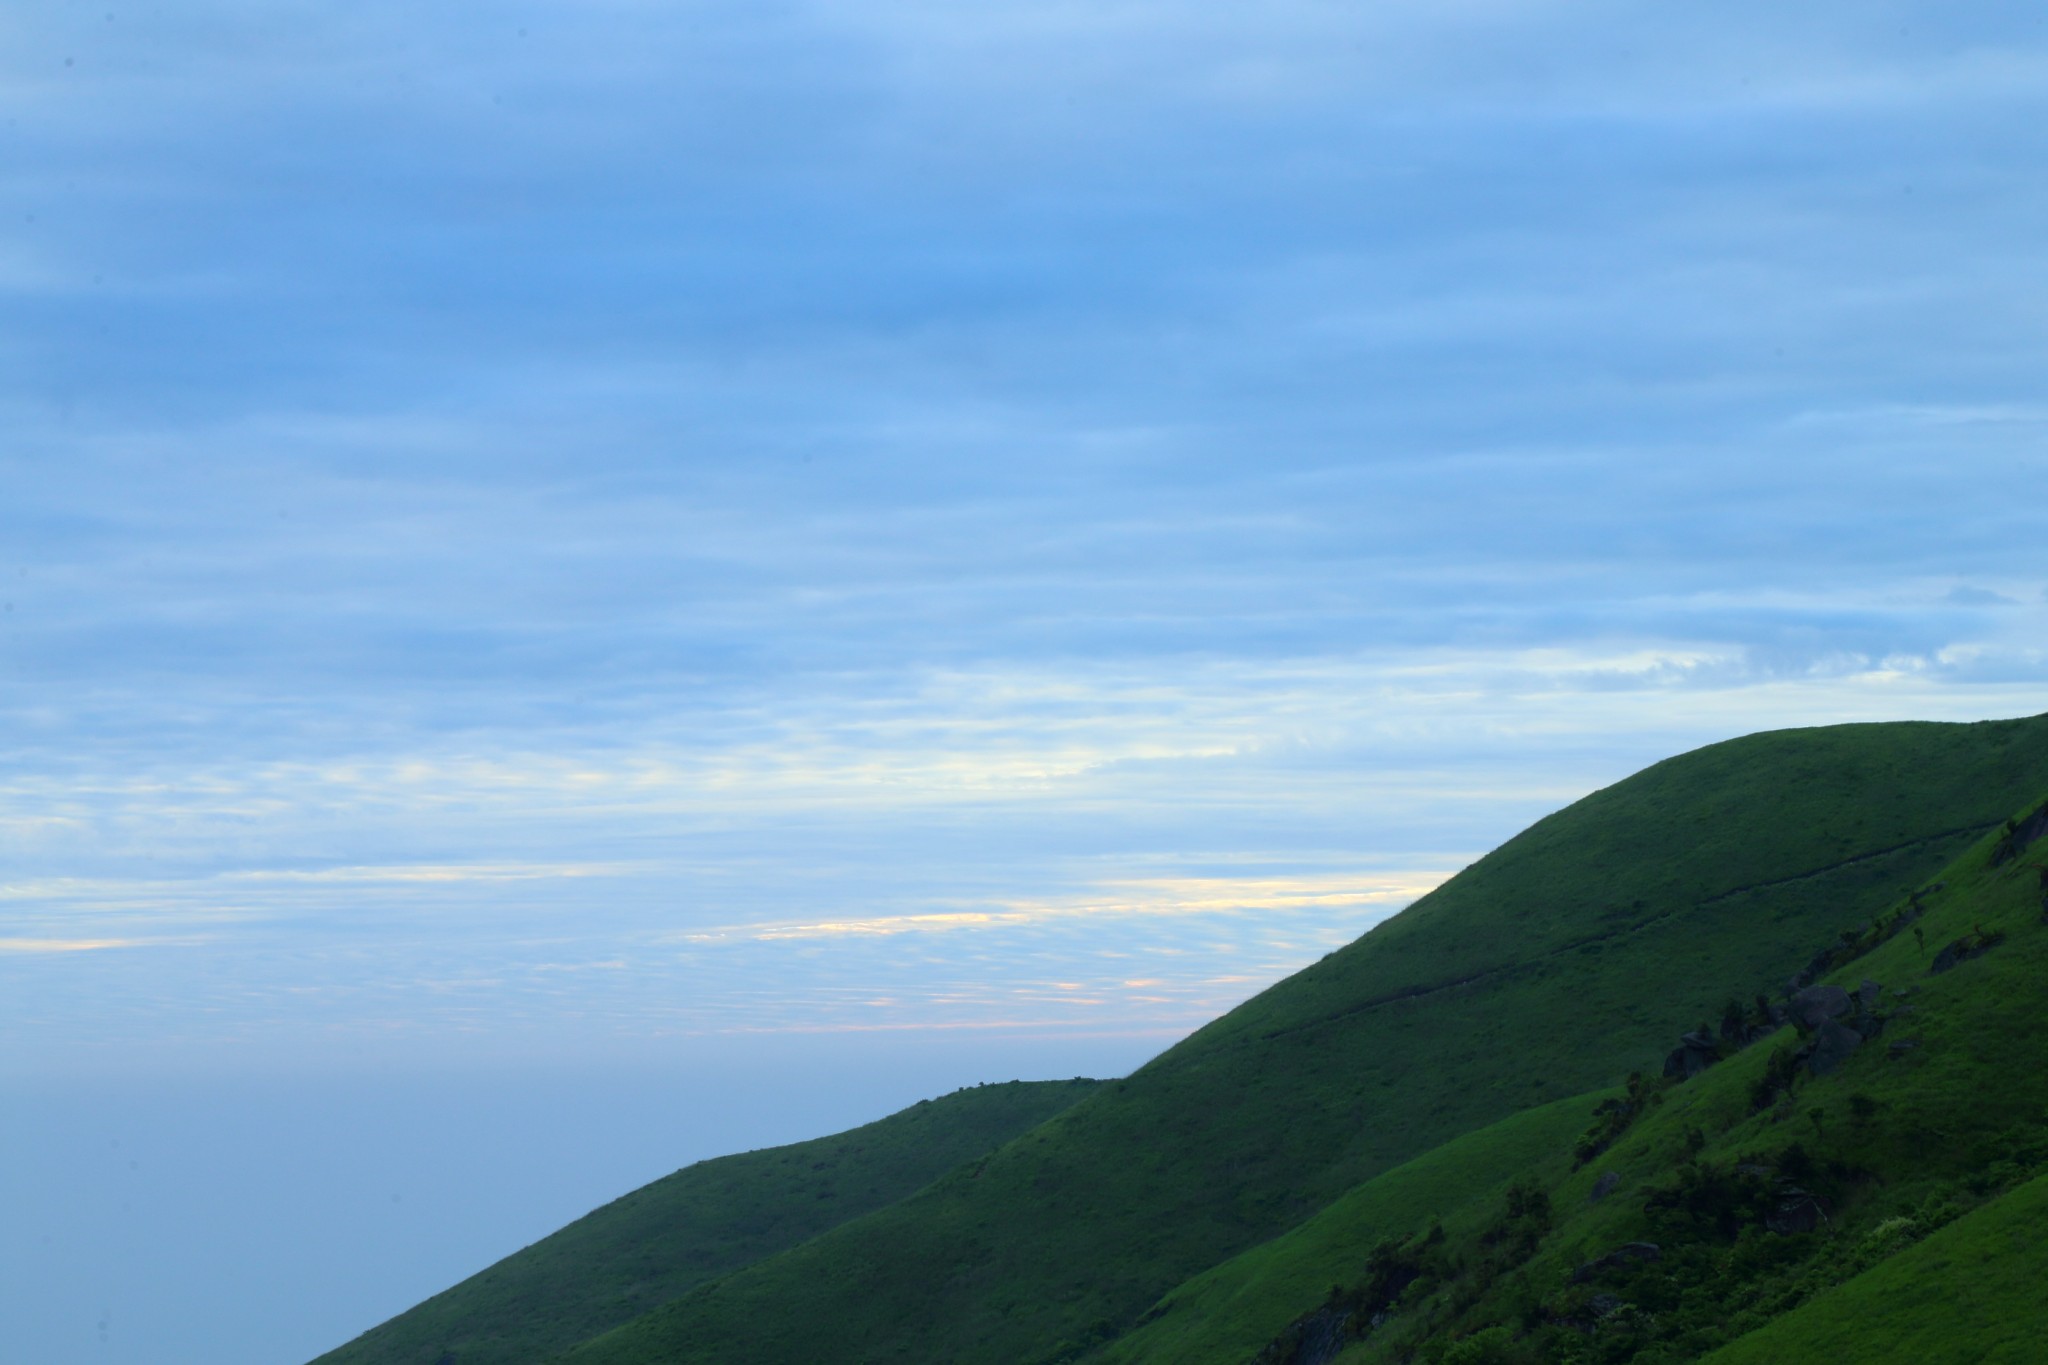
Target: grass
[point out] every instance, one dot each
(1551, 968)
(1898, 1147)
(656, 1243)
(1224, 1315)
(1971, 1294)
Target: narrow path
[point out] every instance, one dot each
(1408, 993)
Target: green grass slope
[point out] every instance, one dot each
(1974, 1293)
(1225, 1315)
(1569, 956)
(1943, 1111)
(701, 1222)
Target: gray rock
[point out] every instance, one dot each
(1695, 1052)
(1867, 994)
(1607, 1184)
(1903, 1046)
(1816, 1003)
(1965, 948)
(1322, 1338)
(1832, 1045)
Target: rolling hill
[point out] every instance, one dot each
(1397, 1111)
(648, 1247)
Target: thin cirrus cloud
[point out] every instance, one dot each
(64, 945)
(905, 502)
(1176, 897)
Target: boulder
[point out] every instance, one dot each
(1965, 948)
(1689, 1059)
(1868, 993)
(1608, 1182)
(1832, 1045)
(1816, 1003)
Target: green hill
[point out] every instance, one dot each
(1933, 1118)
(1573, 954)
(1371, 1114)
(640, 1251)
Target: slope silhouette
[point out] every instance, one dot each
(1572, 955)
(650, 1246)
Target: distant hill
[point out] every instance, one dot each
(641, 1251)
(1389, 1135)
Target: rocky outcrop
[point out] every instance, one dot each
(1974, 944)
(1813, 1006)
(1798, 1211)
(1833, 1043)
(1696, 1051)
(1323, 1336)
(1627, 1254)
(2018, 834)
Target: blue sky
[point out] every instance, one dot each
(596, 534)
(621, 522)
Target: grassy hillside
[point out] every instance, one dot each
(1971, 1294)
(703, 1221)
(1573, 954)
(1228, 1313)
(1927, 1124)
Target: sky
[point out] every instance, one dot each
(791, 556)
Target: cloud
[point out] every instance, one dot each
(65, 945)
(1170, 897)
(930, 481)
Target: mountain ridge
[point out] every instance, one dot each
(1549, 969)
